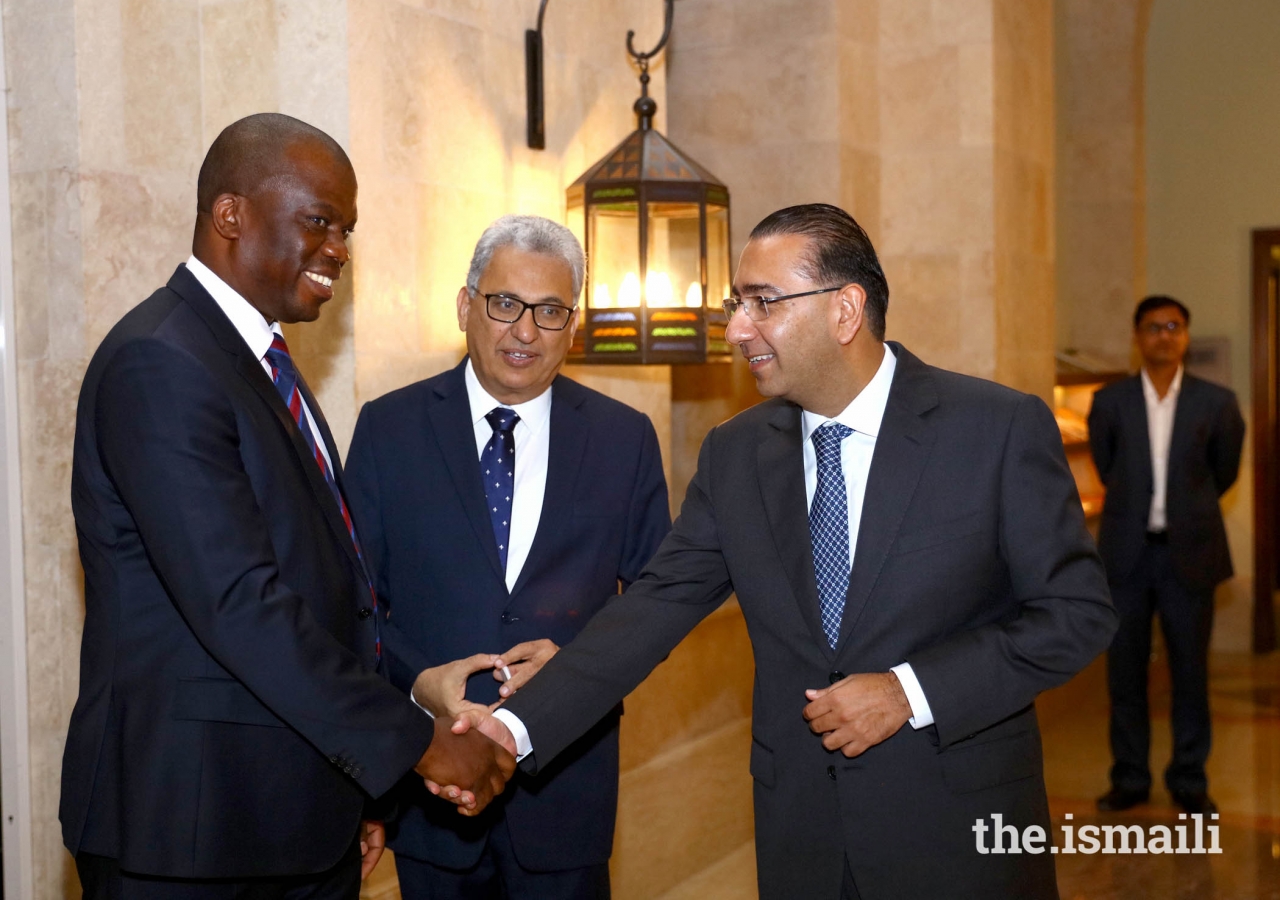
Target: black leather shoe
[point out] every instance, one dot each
(1193, 802)
(1118, 800)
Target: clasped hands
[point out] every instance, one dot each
(858, 711)
(472, 754)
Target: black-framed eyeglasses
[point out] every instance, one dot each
(1157, 328)
(757, 308)
(508, 309)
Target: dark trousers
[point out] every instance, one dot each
(499, 876)
(1186, 619)
(102, 879)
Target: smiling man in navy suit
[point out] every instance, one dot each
(501, 505)
(231, 725)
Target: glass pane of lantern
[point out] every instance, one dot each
(674, 277)
(613, 256)
(719, 277)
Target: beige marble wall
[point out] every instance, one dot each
(1101, 244)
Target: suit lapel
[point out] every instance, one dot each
(450, 414)
(903, 447)
(780, 468)
(250, 368)
(567, 446)
(1184, 413)
(1135, 403)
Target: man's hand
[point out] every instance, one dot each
(373, 840)
(474, 768)
(858, 712)
(443, 689)
(523, 662)
(487, 724)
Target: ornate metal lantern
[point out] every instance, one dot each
(655, 226)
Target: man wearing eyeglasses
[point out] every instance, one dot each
(1167, 446)
(909, 551)
(501, 504)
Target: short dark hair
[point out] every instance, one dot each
(1158, 301)
(839, 252)
(249, 152)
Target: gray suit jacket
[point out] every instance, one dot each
(1204, 459)
(972, 563)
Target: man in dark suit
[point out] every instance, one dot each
(973, 587)
(231, 726)
(490, 562)
(1167, 446)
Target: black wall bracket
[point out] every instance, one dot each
(536, 109)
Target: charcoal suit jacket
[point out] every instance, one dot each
(972, 564)
(1204, 459)
(418, 497)
(230, 723)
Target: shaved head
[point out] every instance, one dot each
(251, 152)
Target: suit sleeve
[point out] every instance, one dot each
(1225, 445)
(402, 660)
(169, 441)
(1064, 617)
(649, 517)
(683, 583)
(1102, 436)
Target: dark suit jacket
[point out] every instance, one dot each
(1204, 459)
(229, 722)
(972, 564)
(415, 487)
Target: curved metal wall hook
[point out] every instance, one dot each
(643, 58)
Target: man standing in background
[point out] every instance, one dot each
(501, 505)
(1167, 446)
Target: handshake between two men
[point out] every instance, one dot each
(472, 754)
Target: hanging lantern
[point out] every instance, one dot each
(655, 226)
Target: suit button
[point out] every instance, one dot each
(364, 612)
(831, 772)
(510, 619)
(835, 676)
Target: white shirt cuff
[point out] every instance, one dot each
(523, 745)
(921, 714)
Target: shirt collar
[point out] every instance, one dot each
(1149, 389)
(533, 413)
(866, 412)
(251, 324)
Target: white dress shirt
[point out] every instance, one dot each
(533, 444)
(1160, 413)
(864, 415)
(253, 327)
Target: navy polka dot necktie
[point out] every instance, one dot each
(829, 528)
(498, 467)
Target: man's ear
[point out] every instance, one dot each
(464, 307)
(227, 214)
(852, 306)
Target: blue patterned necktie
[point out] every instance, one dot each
(829, 528)
(498, 463)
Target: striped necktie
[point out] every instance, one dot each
(285, 376)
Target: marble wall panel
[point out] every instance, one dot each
(666, 836)
(159, 54)
(238, 42)
(40, 53)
